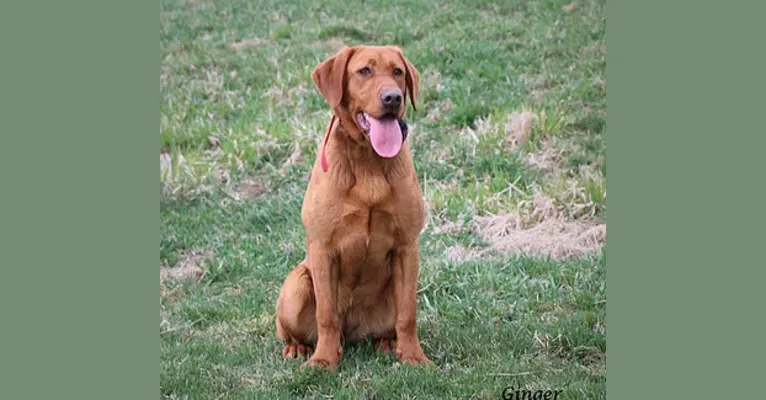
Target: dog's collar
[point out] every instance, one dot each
(325, 166)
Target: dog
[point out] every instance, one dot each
(363, 212)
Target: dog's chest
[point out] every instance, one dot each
(370, 188)
(366, 238)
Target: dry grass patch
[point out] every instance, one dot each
(190, 267)
(439, 110)
(519, 126)
(247, 43)
(541, 227)
(593, 361)
(547, 158)
(447, 228)
(556, 238)
(461, 253)
(569, 7)
(249, 189)
(523, 130)
(537, 96)
(559, 217)
(166, 292)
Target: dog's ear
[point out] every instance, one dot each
(330, 75)
(412, 77)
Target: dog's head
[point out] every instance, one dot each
(369, 85)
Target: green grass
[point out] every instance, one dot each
(250, 115)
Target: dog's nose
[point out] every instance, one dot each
(391, 98)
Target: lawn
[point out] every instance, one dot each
(510, 151)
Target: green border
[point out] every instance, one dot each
(682, 109)
(80, 200)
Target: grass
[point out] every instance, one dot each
(240, 122)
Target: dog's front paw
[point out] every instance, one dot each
(321, 363)
(412, 354)
(324, 360)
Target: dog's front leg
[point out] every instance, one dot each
(324, 274)
(405, 275)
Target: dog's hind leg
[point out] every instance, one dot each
(296, 313)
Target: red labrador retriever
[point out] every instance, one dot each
(363, 212)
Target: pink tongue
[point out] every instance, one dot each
(386, 136)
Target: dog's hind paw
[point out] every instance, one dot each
(296, 351)
(385, 345)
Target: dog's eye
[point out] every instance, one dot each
(366, 71)
(398, 72)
